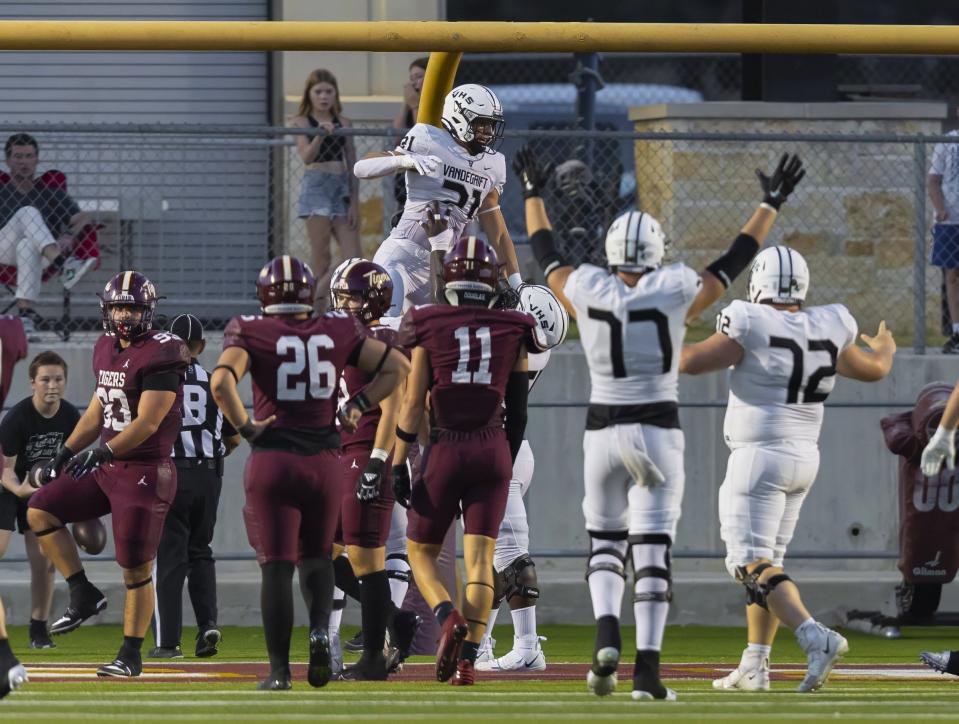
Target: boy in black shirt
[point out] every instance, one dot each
(34, 429)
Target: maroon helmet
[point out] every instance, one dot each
(360, 282)
(286, 286)
(128, 289)
(470, 269)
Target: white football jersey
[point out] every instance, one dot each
(776, 392)
(461, 184)
(632, 336)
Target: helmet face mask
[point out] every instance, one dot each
(286, 285)
(362, 288)
(779, 275)
(464, 109)
(635, 242)
(470, 270)
(128, 291)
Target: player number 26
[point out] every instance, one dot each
(320, 373)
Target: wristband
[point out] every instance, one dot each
(247, 429)
(361, 401)
(769, 207)
(379, 454)
(405, 436)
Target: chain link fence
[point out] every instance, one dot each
(199, 210)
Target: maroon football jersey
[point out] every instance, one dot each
(353, 381)
(120, 373)
(13, 348)
(471, 350)
(295, 364)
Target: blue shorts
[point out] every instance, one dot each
(323, 194)
(945, 246)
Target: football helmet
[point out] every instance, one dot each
(128, 289)
(463, 106)
(552, 319)
(635, 242)
(286, 285)
(364, 283)
(470, 269)
(779, 275)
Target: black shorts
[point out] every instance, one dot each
(13, 510)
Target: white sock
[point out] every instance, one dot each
(398, 586)
(754, 655)
(650, 616)
(524, 623)
(955, 327)
(758, 649)
(490, 622)
(336, 615)
(606, 588)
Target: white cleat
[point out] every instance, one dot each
(745, 679)
(15, 678)
(526, 655)
(639, 695)
(600, 684)
(823, 647)
(485, 655)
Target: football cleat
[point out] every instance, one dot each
(639, 695)
(355, 644)
(823, 648)
(526, 655)
(601, 678)
(485, 655)
(119, 668)
(752, 674)
(16, 676)
(937, 661)
(276, 683)
(73, 617)
(450, 645)
(165, 652)
(465, 673)
(368, 668)
(41, 640)
(207, 642)
(320, 668)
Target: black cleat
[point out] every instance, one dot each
(207, 642)
(71, 619)
(41, 640)
(370, 667)
(355, 644)
(404, 628)
(12, 679)
(165, 652)
(276, 683)
(320, 668)
(120, 668)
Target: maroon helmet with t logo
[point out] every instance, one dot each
(286, 285)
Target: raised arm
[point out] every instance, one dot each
(494, 227)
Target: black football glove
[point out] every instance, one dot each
(53, 467)
(402, 488)
(785, 178)
(368, 484)
(507, 297)
(532, 174)
(88, 461)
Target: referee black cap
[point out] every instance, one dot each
(187, 327)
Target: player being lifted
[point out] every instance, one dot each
(784, 360)
(632, 319)
(471, 360)
(456, 166)
(292, 477)
(135, 411)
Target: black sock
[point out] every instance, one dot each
(131, 647)
(953, 666)
(346, 580)
(78, 584)
(7, 658)
(607, 635)
(316, 576)
(276, 606)
(470, 651)
(646, 674)
(375, 602)
(443, 611)
(37, 628)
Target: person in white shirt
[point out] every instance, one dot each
(784, 360)
(632, 318)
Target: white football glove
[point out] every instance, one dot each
(423, 165)
(941, 447)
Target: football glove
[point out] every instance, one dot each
(941, 447)
(402, 487)
(53, 466)
(423, 165)
(776, 188)
(368, 484)
(532, 174)
(88, 461)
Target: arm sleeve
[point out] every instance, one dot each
(517, 393)
(162, 381)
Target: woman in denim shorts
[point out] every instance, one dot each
(329, 194)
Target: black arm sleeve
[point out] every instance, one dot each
(517, 393)
(162, 382)
(736, 258)
(544, 249)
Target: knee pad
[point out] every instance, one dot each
(651, 560)
(757, 592)
(607, 553)
(399, 572)
(518, 579)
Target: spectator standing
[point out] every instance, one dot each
(185, 552)
(329, 195)
(943, 187)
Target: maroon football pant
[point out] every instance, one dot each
(364, 524)
(292, 503)
(138, 494)
(468, 471)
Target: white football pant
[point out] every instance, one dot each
(513, 539)
(409, 268)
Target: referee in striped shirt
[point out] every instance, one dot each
(205, 439)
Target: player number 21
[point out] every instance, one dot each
(321, 373)
(462, 373)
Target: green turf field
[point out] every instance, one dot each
(911, 695)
